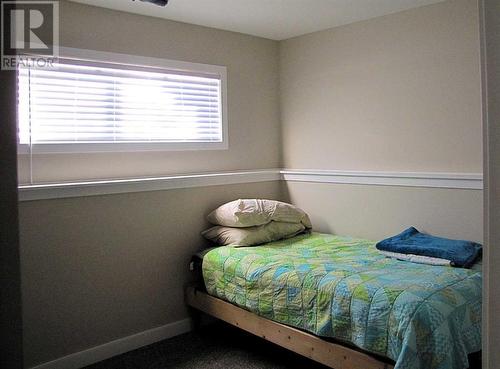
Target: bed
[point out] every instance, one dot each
(317, 287)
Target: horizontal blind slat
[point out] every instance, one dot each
(103, 74)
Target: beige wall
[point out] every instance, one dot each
(376, 212)
(396, 93)
(399, 92)
(253, 109)
(491, 77)
(99, 268)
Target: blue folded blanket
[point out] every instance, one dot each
(411, 241)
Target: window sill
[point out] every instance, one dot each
(78, 148)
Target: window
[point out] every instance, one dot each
(89, 105)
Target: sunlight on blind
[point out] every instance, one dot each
(86, 104)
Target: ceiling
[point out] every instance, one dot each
(273, 19)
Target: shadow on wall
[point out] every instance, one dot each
(320, 221)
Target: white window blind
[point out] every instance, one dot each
(84, 106)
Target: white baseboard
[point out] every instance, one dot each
(95, 354)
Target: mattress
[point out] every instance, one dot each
(420, 316)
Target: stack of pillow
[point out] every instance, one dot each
(248, 222)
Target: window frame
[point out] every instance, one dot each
(136, 62)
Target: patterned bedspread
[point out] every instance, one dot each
(421, 316)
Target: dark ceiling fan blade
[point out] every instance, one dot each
(157, 2)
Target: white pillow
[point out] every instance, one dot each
(255, 212)
(250, 236)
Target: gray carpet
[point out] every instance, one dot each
(218, 346)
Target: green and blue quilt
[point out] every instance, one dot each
(421, 316)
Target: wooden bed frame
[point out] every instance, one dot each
(333, 355)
